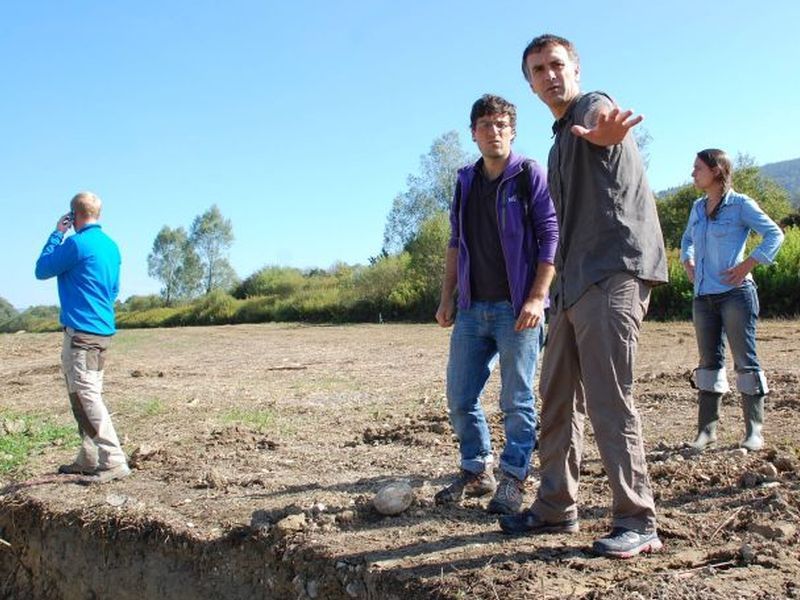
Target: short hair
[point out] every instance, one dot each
(541, 42)
(86, 204)
(716, 158)
(489, 104)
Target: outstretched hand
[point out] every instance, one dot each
(611, 127)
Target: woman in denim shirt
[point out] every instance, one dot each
(725, 298)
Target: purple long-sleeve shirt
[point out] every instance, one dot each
(527, 227)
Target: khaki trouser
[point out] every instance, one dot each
(588, 369)
(82, 359)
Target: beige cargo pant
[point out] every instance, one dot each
(588, 369)
(82, 359)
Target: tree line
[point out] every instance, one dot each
(402, 282)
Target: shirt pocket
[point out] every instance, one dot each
(722, 226)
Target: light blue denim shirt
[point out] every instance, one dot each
(718, 244)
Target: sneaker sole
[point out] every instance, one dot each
(556, 528)
(646, 548)
(100, 478)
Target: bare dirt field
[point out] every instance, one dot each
(257, 450)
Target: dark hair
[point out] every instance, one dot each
(489, 104)
(716, 158)
(541, 42)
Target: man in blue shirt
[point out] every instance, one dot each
(86, 266)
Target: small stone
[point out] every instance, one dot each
(739, 452)
(291, 524)
(393, 498)
(769, 471)
(312, 588)
(785, 464)
(15, 426)
(116, 500)
(747, 553)
(346, 517)
(327, 519)
(261, 522)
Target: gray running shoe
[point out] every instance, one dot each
(101, 475)
(627, 543)
(467, 484)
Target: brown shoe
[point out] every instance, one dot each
(101, 475)
(467, 484)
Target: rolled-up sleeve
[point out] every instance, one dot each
(687, 241)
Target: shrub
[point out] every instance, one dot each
(271, 281)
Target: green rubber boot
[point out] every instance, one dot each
(707, 419)
(753, 410)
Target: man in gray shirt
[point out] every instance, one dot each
(610, 254)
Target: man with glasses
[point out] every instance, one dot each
(500, 259)
(611, 252)
(87, 267)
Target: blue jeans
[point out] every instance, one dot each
(733, 313)
(481, 334)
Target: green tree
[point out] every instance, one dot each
(673, 213)
(673, 210)
(426, 265)
(174, 262)
(428, 192)
(211, 236)
(271, 281)
(7, 310)
(771, 197)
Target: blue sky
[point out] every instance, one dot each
(301, 120)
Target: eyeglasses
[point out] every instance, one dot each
(501, 126)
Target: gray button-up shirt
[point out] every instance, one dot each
(606, 212)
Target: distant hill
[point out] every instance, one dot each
(785, 173)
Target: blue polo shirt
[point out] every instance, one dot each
(87, 267)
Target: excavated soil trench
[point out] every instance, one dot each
(48, 556)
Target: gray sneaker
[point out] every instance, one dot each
(467, 484)
(627, 543)
(101, 475)
(508, 496)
